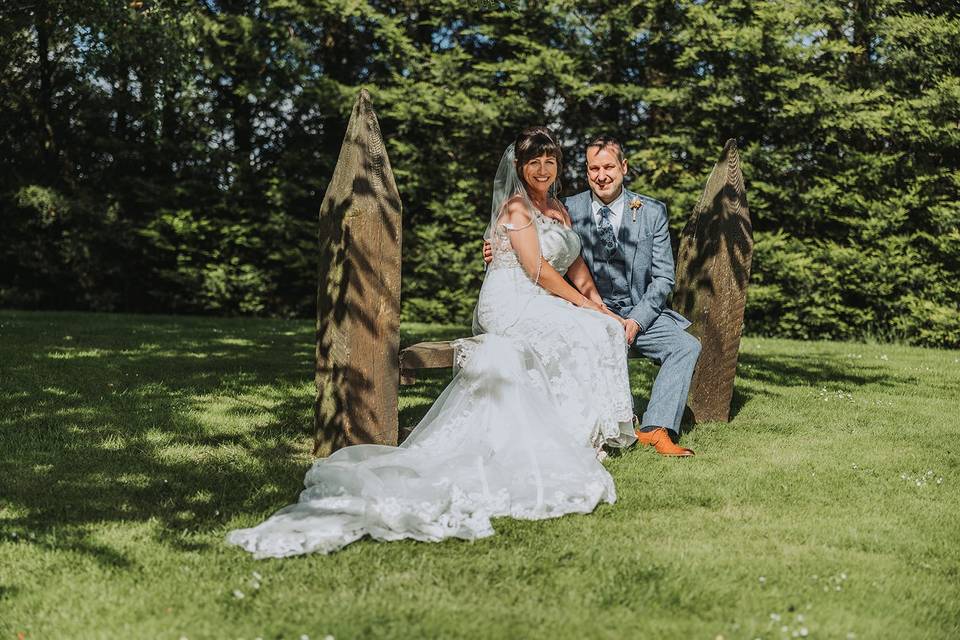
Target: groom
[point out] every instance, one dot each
(626, 247)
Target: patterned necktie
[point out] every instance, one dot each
(607, 236)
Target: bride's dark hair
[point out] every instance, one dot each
(534, 142)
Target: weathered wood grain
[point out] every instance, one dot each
(713, 269)
(424, 355)
(358, 293)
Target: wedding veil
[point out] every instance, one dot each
(514, 238)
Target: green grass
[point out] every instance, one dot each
(130, 445)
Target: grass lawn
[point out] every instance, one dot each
(828, 508)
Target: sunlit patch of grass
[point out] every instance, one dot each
(827, 505)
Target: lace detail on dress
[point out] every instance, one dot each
(462, 348)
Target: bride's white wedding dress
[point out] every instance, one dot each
(516, 433)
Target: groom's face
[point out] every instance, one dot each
(605, 172)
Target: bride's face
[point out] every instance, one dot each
(540, 173)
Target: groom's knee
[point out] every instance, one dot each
(687, 346)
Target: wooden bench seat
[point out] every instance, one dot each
(432, 355)
(424, 355)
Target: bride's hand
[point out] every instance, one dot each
(587, 303)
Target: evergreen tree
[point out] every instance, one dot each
(171, 155)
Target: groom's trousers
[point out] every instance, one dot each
(676, 351)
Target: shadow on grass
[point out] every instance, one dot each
(765, 374)
(812, 370)
(110, 420)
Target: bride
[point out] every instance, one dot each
(518, 430)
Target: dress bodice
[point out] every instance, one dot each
(559, 245)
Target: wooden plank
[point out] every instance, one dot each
(713, 269)
(358, 293)
(424, 355)
(431, 355)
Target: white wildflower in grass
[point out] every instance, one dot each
(804, 632)
(775, 617)
(237, 594)
(921, 479)
(304, 636)
(763, 580)
(841, 395)
(257, 576)
(884, 357)
(328, 637)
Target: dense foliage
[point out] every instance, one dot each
(171, 155)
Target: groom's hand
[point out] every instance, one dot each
(632, 329)
(487, 252)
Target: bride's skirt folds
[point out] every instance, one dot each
(495, 443)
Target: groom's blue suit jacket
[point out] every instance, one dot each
(647, 253)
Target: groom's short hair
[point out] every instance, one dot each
(603, 140)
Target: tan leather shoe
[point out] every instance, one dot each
(660, 440)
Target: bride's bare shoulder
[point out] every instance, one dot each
(516, 212)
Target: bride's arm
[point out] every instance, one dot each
(578, 273)
(580, 276)
(526, 244)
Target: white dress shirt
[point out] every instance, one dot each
(616, 210)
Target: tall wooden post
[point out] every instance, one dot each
(713, 268)
(358, 293)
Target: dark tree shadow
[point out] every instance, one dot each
(763, 374)
(101, 408)
(811, 370)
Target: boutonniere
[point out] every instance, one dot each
(635, 205)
